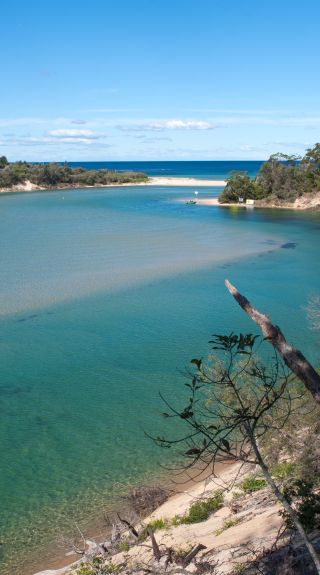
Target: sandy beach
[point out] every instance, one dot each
(162, 181)
(256, 522)
(306, 202)
(28, 186)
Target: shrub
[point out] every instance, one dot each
(201, 510)
(154, 525)
(251, 484)
(123, 546)
(306, 501)
(283, 470)
(96, 567)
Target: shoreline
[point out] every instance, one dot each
(154, 181)
(182, 488)
(302, 203)
(255, 523)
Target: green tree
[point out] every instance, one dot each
(238, 406)
(282, 177)
(312, 156)
(239, 185)
(3, 162)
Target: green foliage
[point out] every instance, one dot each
(239, 569)
(236, 495)
(54, 175)
(251, 484)
(280, 178)
(283, 470)
(154, 525)
(175, 521)
(111, 568)
(201, 510)
(306, 501)
(227, 524)
(123, 546)
(3, 162)
(239, 408)
(239, 185)
(97, 567)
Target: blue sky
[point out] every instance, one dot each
(158, 79)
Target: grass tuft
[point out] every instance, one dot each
(251, 484)
(201, 510)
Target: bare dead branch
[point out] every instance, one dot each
(292, 357)
(188, 558)
(155, 546)
(130, 527)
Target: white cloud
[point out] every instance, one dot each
(64, 136)
(161, 125)
(73, 133)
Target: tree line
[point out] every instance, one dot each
(49, 175)
(281, 178)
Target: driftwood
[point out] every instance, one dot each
(188, 558)
(292, 357)
(155, 546)
(130, 527)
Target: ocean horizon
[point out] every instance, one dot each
(202, 169)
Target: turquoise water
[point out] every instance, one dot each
(105, 296)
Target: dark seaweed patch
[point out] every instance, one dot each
(289, 246)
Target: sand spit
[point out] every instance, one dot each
(28, 186)
(305, 202)
(162, 181)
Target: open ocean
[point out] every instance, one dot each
(106, 295)
(202, 170)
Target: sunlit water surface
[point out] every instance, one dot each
(105, 297)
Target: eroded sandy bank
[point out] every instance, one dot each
(253, 521)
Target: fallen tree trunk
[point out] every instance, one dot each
(292, 357)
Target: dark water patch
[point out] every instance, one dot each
(9, 389)
(26, 318)
(40, 421)
(289, 246)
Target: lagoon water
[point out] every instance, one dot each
(105, 297)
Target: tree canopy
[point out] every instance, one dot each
(281, 177)
(50, 175)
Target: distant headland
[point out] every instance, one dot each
(25, 176)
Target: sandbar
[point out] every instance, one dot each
(164, 181)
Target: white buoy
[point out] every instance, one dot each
(196, 192)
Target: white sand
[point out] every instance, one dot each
(259, 523)
(28, 186)
(163, 181)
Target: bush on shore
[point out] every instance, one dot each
(54, 174)
(281, 178)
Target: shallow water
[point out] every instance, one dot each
(105, 296)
